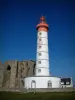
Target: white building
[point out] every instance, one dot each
(66, 82)
(42, 79)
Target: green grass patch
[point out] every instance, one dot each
(37, 96)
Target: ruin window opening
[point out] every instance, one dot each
(34, 69)
(22, 82)
(8, 67)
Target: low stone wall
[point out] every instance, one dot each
(13, 89)
(55, 90)
(38, 90)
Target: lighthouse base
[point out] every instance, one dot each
(42, 82)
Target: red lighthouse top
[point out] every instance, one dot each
(42, 26)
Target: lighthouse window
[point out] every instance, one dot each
(39, 70)
(39, 54)
(40, 33)
(39, 39)
(39, 46)
(39, 62)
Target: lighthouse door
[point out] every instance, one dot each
(49, 84)
(33, 84)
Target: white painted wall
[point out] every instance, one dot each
(66, 86)
(45, 34)
(42, 82)
(44, 57)
(44, 71)
(44, 63)
(43, 48)
(42, 41)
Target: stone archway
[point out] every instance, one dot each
(33, 84)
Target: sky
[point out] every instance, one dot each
(18, 35)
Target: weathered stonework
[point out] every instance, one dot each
(9, 78)
(1, 74)
(12, 73)
(25, 68)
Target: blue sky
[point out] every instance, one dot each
(18, 33)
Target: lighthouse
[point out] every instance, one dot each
(42, 58)
(42, 78)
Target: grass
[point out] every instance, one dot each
(37, 96)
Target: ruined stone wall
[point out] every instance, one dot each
(31, 68)
(25, 68)
(14, 72)
(22, 72)
(1, 73)
(9, 78)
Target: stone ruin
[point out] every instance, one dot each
(12, 73)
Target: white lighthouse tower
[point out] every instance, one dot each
(42, 60)
(42, 78)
